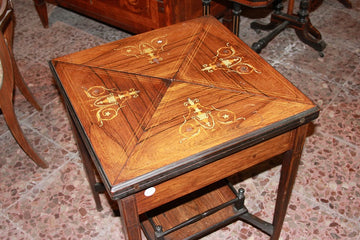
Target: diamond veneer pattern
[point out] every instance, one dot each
(140, 139)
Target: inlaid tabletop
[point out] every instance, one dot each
(158, 104)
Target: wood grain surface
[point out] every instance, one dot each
(165, 102)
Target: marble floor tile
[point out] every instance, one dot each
(53, 122)
(19, 174)
(337, 65)
(9, 230)
(347, 21)
(331, 176)
(63, 207)
(342, 117)
(320, 91)
(305, 220)
(40, 81)
(52, 43)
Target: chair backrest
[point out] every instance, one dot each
(7, 73)
(6, 14)
(1, 75)
(6, 69)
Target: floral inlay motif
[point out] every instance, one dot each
(200, 117)
(227, 59)
(150, 49)
(107, 102)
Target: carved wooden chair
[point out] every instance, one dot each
(9, 77)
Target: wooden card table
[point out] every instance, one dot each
(168, 114)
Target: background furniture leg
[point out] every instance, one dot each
(308, 33)
(206, 7)
(9, 77)
(41, 9)
(236, 18)
(19, 82)
(259, 45)
(278, 7)
(14, 126)
(346, 3)
(300, 22)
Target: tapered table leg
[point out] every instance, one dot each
(130, 218)
(88, 166)
(287, 179)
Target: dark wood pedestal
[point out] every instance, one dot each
(300, 22)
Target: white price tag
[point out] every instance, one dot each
(149, 192)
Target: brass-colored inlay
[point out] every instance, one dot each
(200, 117)
(226, 59)
(107, 102)
(150, 49)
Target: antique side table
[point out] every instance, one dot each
(168, 114)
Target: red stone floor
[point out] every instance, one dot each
(56, 203)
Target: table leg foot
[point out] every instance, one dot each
(249, 218)
(41, 9)
(260, 26)
(306, 32)
(311, 38)
(259, 45)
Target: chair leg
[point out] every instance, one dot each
(11, 120)
(19, 82)
(41, 9)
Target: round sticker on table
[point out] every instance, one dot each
(149, 192)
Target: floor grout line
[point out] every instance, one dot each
(28, 192)
(17, 226)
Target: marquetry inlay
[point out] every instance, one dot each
(107, 102)
(150, 49)
(185, 104)
(204, 118)
(227, 59)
